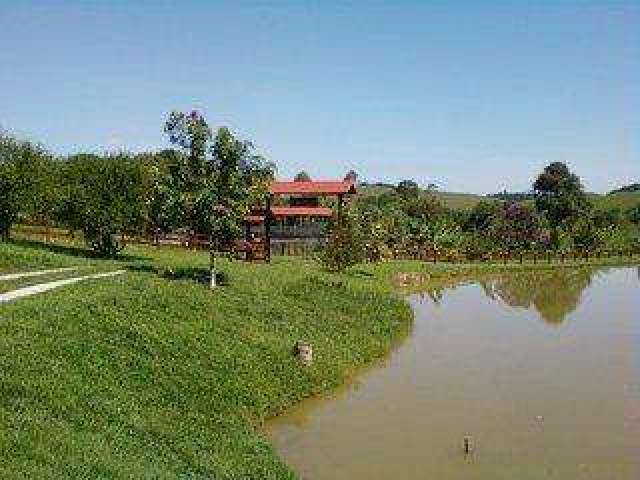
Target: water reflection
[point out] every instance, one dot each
(553, 293)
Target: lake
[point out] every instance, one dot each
(540, 368)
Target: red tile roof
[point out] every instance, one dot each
(314, 188)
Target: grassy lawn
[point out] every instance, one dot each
(152, 375)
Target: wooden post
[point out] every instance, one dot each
(267, 231)
(340, 206)
(304, 352)
(467, 444)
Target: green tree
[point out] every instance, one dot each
(408, 188)
(102, 196)
(27, 183)
(351, 176)
(482, 215)
(302, 176)
(161, 183)
(559, 195)
(221, 180)
(190, 132)
(347, 243)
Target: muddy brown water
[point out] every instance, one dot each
(542, 369)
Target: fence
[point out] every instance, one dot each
(309, 247)
(295, 248)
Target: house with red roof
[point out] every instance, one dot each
(296, 213)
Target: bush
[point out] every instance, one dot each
(346, 245)
(104, 197)
(102, 239)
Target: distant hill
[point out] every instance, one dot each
(454, 200)
(634, 187)
(512, 196)
(623, 200)
(460, 201)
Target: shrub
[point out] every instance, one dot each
(346, 245)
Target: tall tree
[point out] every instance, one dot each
(103, 197)
(191, 132)
(408, 188)
(351, 176)
(559, 194)
(162, 179)
(224, 175)
(302, 176)
(26, 181)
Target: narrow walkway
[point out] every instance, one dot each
(45, 287)
(15, 276)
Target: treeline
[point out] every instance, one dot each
(512, 196)
(558, 216)
(634, 187)
(205, 184)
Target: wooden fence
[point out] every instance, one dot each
(307, 248)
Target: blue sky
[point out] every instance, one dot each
(475, 96)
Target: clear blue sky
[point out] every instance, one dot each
(476, 96)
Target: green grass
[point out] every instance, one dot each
(152, 375)
(460, 201)
(621, 200)
(453, 200)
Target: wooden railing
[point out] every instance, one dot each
(310, 246)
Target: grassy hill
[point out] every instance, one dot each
(454, 200)
(622, 200)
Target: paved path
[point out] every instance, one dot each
(15, 276)
(45, 287)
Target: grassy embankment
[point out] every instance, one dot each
(151, 375)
